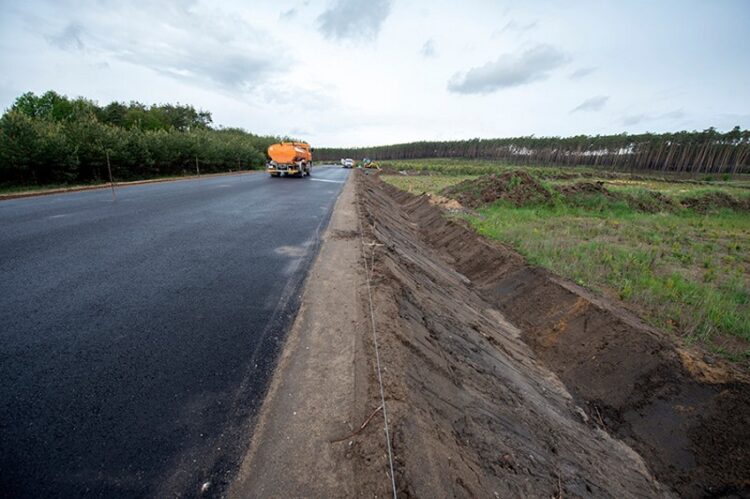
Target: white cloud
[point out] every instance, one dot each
(633, 119)
(428, 49)
(674, 116)
(289, 14)
(513, 26)
(227, 54)
(354, 19)
(68, 38)
(595, 103)
(509, 70)
(581, 73)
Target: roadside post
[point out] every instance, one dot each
(111, 181)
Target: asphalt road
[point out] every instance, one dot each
(137, 337)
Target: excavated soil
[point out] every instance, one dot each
(517, 187)
(504, 380)
(585, 188)
(652, 202)
(716, 200)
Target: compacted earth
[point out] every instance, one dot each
(503, 380)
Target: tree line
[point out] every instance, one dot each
(52, 139)
(709, 151)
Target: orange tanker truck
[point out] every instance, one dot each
(290, 158)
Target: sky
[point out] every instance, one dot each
(369, 72)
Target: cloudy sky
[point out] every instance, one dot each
(364, 72)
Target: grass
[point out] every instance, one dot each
(676, 190)
(682, 271)
(20, 189)
(426, 183)
(462, 167)
(450, 166)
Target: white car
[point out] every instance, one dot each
(347, 163)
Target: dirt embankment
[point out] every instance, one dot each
(519, 188)
(476, 407)
(472, 412)
(715, 200)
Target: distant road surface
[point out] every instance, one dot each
(137, 336)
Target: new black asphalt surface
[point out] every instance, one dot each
(137, 337)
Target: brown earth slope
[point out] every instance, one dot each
(477, 410)
(473, 410)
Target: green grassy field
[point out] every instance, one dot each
(684, 269)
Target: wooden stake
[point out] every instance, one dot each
(111, 181)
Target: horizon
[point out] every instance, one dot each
(219, 126)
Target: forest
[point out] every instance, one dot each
(51, 139)
(705, 152)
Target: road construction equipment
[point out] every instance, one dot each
(290, 158)
(368, 163)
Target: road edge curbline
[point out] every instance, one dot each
(314, 398)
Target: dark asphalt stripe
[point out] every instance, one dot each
(138, 336)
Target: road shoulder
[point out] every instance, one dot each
(312, 399)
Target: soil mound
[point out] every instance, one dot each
(653, 202)
(446, 203)
(520, 188)
(517, 187)
(649, 201)
(716, 200)
(472, 386)
(585, 188)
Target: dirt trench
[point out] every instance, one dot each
(472, 413)
(503, 380)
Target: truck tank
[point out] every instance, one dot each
(289, 152)
(290, 158)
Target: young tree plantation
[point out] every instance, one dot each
(52, 139)
(709, 151)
